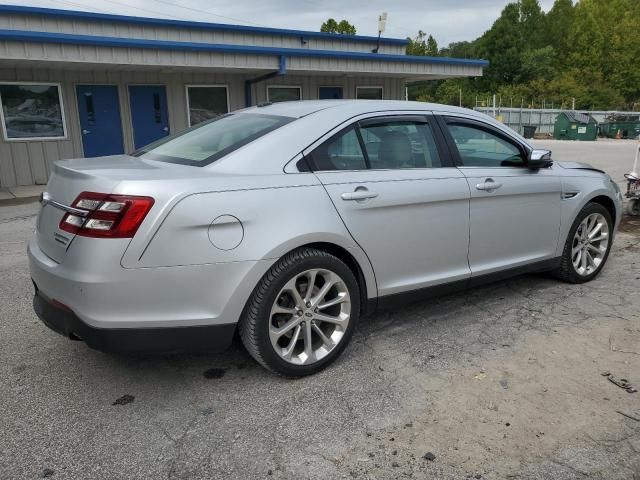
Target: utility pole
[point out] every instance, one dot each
(573, 103)
(494, 105)
(460, 102)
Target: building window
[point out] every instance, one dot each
(32, 111)
(369, 93)
(205, 102)
(283, 94)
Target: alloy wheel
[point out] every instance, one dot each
(310, 316)
(590, 243)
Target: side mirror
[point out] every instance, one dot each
(539, 159)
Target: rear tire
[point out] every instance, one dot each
(301, 315)
(587, 246)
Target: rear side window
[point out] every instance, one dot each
(480, 148)
(379, 145)
(340, 152)
(209, 141)
(402, 144)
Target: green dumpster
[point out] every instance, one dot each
(575, 126)
(627, 126)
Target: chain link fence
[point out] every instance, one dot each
(542, 118)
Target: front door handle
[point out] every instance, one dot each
(358, 195)
(489, 185)
(85, 131)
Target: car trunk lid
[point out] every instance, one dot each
(72, 177)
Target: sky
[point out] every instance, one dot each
(447, 20)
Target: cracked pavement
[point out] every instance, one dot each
(498, 382)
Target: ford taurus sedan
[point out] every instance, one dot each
(286, 223)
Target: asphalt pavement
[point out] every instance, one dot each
(498, 382)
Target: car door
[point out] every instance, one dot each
(401, 199)
(514, 211)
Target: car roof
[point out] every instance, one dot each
(299, 109)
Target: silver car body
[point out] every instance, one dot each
(215, 230)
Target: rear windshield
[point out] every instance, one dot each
(207, 142)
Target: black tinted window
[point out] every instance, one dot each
(402, 144)
(480, 148)
(341, 152)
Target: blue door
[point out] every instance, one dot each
(330, 93)
(100, 124)
(149, 116)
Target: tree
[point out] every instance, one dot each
(459, 50)
(556, 26)
(344, 27)
(503, 45)
(421, 47)
(589, 51)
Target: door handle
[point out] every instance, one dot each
(166, 129)
(358, 195)
(84, 131)
(488, 185)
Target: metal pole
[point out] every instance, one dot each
(494, 105)
(520, 116)
(460, 103)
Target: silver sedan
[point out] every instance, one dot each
(287, 223)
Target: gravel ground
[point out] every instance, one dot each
(499, 382)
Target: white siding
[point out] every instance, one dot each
(29, 162)
(138, 57)
(42, 23)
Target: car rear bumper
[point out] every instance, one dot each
(104, 295)
(123, 340)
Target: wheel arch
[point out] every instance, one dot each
(353, 264)
(607, 203)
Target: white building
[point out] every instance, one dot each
(79, 84)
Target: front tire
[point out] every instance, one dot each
(302, 313)
(588, 245)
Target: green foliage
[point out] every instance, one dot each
(589, 52)
(422, 45)
(342, 27)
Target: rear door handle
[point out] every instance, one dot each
(358, 195)
(488, 185)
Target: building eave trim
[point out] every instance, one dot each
(72, 39)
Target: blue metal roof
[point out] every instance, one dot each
(107, 17)
(67, 38)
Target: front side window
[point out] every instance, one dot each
(480, 148)
(340, 152)
(32, 111)
(400, 144)
(205, 102)
(212, 140)
(284, 94)
(369, 93)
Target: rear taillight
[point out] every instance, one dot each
(108, 216)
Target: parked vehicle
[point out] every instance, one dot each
(288, 222)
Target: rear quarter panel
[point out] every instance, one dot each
(275, 220)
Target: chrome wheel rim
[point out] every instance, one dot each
(310, 316)
(590, 244)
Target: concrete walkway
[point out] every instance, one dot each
(13, 195)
